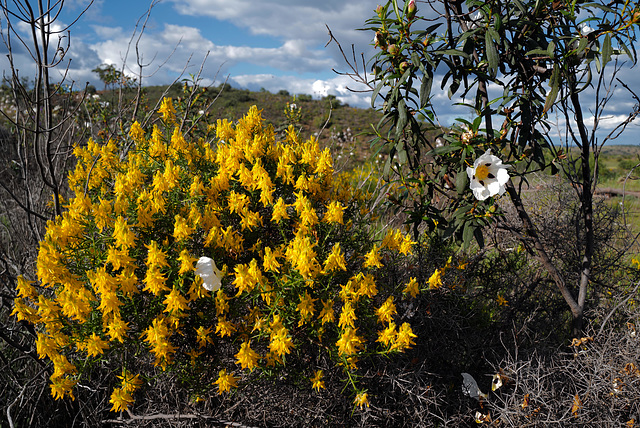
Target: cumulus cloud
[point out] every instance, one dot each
(302, 20)
(284, 18)
(342, 87)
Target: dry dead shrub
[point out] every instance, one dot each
(593, 381)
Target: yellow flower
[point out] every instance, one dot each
(237, 202)
(155, 281)
(178, 143)
(349, 343)
(502, 301)
(224, 130)
(128, 282)
(118, 258)
(123, 234)
(24, 312)
(372, 258)
(324, 164)
(386, 312)
(136, 133)
(61, 386)
(361, 400)
(412, 288)
(244, 281)
(347, 316)
(247, 357)
(308, 216)
(367, 285)
(186, 262)
(25, 289)
(203, 336)
(46, 346)
(221, 303)
(117, 328)
(62, 366)
(120, 399)
(316, 381)
(157, 336)
(155, 256)
(225, 381)
(270, 261)
(306, 307)
(335, 260)
(181, 229)
(224, 327)
(129, 382)
(280, 342)
(334, 214)
(435, 281)
(250, 219)
(175, 302)
(166, 110)
(102, 213)
(327, 314)
(388, 335)
(157, 147)
(406, 245)
(404, 339)
(279, 211)
(301, 255)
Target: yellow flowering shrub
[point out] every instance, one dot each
(116, 271)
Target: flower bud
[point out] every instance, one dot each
(411, 9)
(393, 49)
(380, 40)
(379, 10)
(403, 66)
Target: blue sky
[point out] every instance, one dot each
(270, 44)
(253, 44)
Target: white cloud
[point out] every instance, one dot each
(284, 18)
(339, 86)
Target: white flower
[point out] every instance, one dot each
(488, 176)
(207, 271)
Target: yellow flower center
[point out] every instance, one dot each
(482, 172)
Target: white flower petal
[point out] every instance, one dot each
(495, 188)
(207, 271)
(470, 172)
(502, 176)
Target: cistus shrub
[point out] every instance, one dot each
(117, 283)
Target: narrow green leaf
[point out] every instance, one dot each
(555, 88)
(462, 181)
(467, 235)
(606, 49)
(537, 52)
(402, 156)
(492, 54)
(425, 89)
(402, 119)
(582, 45)
(477, 233)
(453, 52)
(375, 93)
(551, 49)
(444, 149)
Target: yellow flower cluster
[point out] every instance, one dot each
(116, 269)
